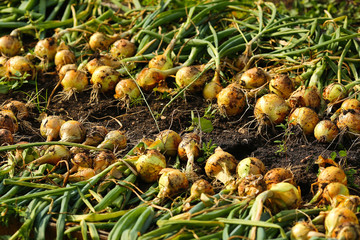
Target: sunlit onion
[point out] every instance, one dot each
(326, 131)
(50, 127)
(347, 231)
(126, 89)
(10, 45)
(2, 66)
(105, 78)
(277, 175)
(123, 48)
(250, 166)
(332, 174)
(305, 118)
(212, 88)
(171, 183)
(8, 121)
(189, 149)
(231, 100)
(300, 230)
(100, 42)
(102, 60)
(285, 196)
(161, 62)
(66, 68)
(46, 48)
(281, 85)
(103, 160)
(114, 140)
(305, 97)
(19, 66)
(337, 217)
(252, 78)
(53, 155)
(74, 81)
(334, 92)
(149, 165)
(167, 142)
(72, 131)
(18, 108)
(64, 57)
(271, 109)
(187, 75)
(349, 121)
(334, 189)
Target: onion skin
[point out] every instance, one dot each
(95, 135)
(53, 155)
(8, 121)
(304, 117)
(332, 174)
(253, 78)
(10, 45)
(18, 108)
(2, 66)
(338, 216)
(126, 89)
(326, 131)
(114, 140)
(334, 189)
(72, 131)
(103, 160)
(161, 62)
(74, 80)
(277, 175)
(251, 186)
(64, 57)
(250, 166)
(305, 97)
(349, 121)
(231, 100)
(102, 60)
(167, 142)
(46, 48)
(19, 65)
(149, 165)
(171, 183)
(271, 109)
(199, 187)
(100, 42)
(300, 231)
(122, 49)
(66, 68)
(347, 231)
(81, 160)
(50, 127)
(186, 75)
(285, 196)
(149, 78)
(6, 137)
(334, 92)
(350, 104)
(189, 145)
(106, 77)
(282, 86)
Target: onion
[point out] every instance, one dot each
(349, 121)
(285, 196)
(332, 174)
(82, 174)
(305, 97)
(103, 160)
(64, 57)
(8, 121)
(271, 109)
(171, 183)
(122, 49)
(161, 62)
(281, 85)
(334, 92)
(105, 78)
(251, 186)
(25, 156)
(212, 88)
(334, 189)
(95, 135)
(300, 230)
(6, 137)
(186, 75)
(304, 117)
(46, 48)
(18, 108)
(19, 66)
(189, 149)
(351, 103)
(126, 89)
(347, 231)
(66, 68)
(337, 217)
(114, 140)
(50, 127)
(72, 131)
(231, 100)
(199, 187)
(221, 166)
(167, 142)
(351, 202)
(81, 160)
(250, 166)
(74, 81)
(102, 60)
(149, 165)
(53, 155)
(100, 42)
(252, 78)
(10, 45)
(277, 175)
(2, 66)
(149, 78)
(326, 131)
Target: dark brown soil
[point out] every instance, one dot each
(237, 135)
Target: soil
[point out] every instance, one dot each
(236, 135)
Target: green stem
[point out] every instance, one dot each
(29, 184)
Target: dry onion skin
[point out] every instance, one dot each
(336, 217)
(281, 85)
(199, 187)
(300, 231)
(18, 108)
(126, 89)
(50, 127)
(72, 131)
(95, 135)
(100, 42)
(305, 97)
(64, 57)
(250, 166)
(334, 92)
(6, 137)
(105, 78)
(114, 140)
(187, 75)
(171, 183)
(253, 78)
(271, 109)
(74, 81)
(326, 131)
(122, 49)
(149, 165)
(304, 117)
(46, 49)
(332, 174)
(221, 166)
(332, 190)
(251, 186)
(149, 78)
(19, 66)
(212, 88)
(231, 100)
(347, 231)
(10, 45)
(8, 121)
(103, 160)
(277, 175)
(167, 142)
(349, 121)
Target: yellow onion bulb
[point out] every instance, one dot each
(349, 121)
(212, 88)
(105, 77)
(285, 196)
(334, 92)
(326, 131)
(251, 186)
(171, 183)
(161, 62)
(149, 165)
(149, 78)
(304, 117)
(231, 100)
(64, 57)
(74, 80)
(252, 78)
(347, 231)
(114, 140)
(300, 231)
(122, 49)
(199, 187)
(350, 104)
(81, 160)
(6, 137)
(167, 142)
(53, 155)
(10, 45)
(102, 60)
(351, 202)
(277, 175)
(8, 121)
(281, 85)
(66, 68)
(50, 127)
(46, 48)
(99, 41)
(187, 75)
(72, 131)
(271, 109)
(189, 145)
(126, 88)
(18, 108)
(250, 166)
(338, 216)
(221, 166)
(95, 135)
(3, 66)
(305, 97)
(82, 174)
(334, 189)
(103, 160)
(332, 174)
(18, 66)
